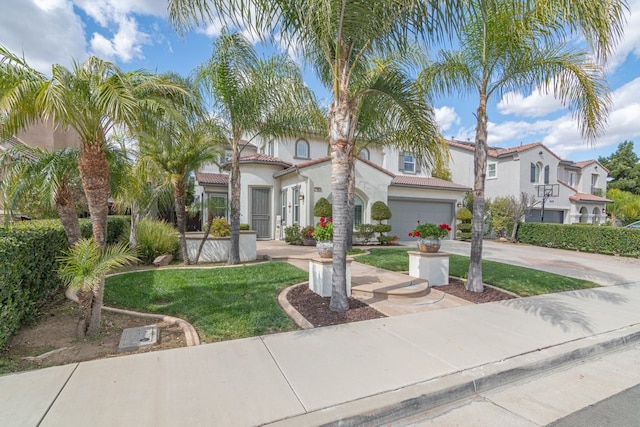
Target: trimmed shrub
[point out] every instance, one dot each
(220, 228)
(604, 239)
(464, 228)
(155, 238)
(381, 228)
(365, 232)
(380, 211)
(292, 235)
(28, 270)
(323, 208)
(245, 227)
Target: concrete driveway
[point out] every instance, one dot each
(606, 270)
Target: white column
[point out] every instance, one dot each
(433, 267)
(321, 276)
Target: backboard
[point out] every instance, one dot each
(548, 190)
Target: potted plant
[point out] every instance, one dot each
(307, 235)
(323, 233)
(429, 236)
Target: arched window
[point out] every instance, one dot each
(536, 172)
(358, 211)
(364, 153)
(302, 149)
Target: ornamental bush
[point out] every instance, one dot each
(156, 238)
(380, 211)
(292, 235)
(323, 208)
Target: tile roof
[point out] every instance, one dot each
(582, 197)
(501, 152)
(212, 178)
(418, 181)
(328, 159)
(260, 158)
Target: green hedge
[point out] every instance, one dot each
(117, 226)
(28, 270)
(28, 266)
(601, 239)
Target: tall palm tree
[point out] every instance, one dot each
(177, 150)
(49, 175)
(339, 39)
(500, 51)
(91, 98)
(253, 98)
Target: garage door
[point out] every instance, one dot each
(549, 216)
(407, 213)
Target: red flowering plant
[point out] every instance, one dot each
(324, 230)
(430, 230)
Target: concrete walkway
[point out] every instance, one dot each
(356, 372)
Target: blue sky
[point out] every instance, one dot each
(135, 34)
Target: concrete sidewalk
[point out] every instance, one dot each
(354, 372)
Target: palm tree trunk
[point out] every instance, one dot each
(474, 283)
(234, 250)
(179, 197)
(351, 200)
(340, 133)
(94, 173)
(66, 208)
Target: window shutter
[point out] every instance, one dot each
(546, 174)
(418, 170)
(401, 162)
(533, 172)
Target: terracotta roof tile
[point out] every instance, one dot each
(418, 181)
(582, 197)
(212, 178)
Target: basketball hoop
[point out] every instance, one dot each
(547, 191)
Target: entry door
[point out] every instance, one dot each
(260, 212)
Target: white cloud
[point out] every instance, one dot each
(630, 43)
(125, 45)
(446, 117)
(45, 32)
(537, 104)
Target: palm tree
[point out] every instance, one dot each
(83, 268)
(177, 150)
(339, 39)
(49, 175)
(92, 98)
(253, 98)
(500, 51)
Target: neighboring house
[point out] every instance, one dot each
(574, 190)
(283, 179)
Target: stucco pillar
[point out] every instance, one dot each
(321, 276)
(433, 267)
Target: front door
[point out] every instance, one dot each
(261, 212)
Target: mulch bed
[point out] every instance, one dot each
(316, 310)
(456, 288)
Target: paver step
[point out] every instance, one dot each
(415, 288)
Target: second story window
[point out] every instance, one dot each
(536, 171)
(407, 163)
(302, 149)
(364, 153)
(492, 170)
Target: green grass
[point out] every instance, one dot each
(221, 303)
(519, 280)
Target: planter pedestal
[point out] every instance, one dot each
(433, 267)
(321, 276)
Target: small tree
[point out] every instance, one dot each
(465, 216)
(381, 212)
(519, 209)
(501, 211)
(323, 208)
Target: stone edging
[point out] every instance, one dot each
(291, 311)
(190, 333)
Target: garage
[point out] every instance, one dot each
(407, 213)
(550, 216)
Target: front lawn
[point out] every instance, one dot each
(519, 280)
(221, 303)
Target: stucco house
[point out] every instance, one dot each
(282, 180)
(574, 190)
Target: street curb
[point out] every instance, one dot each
(401, 403)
